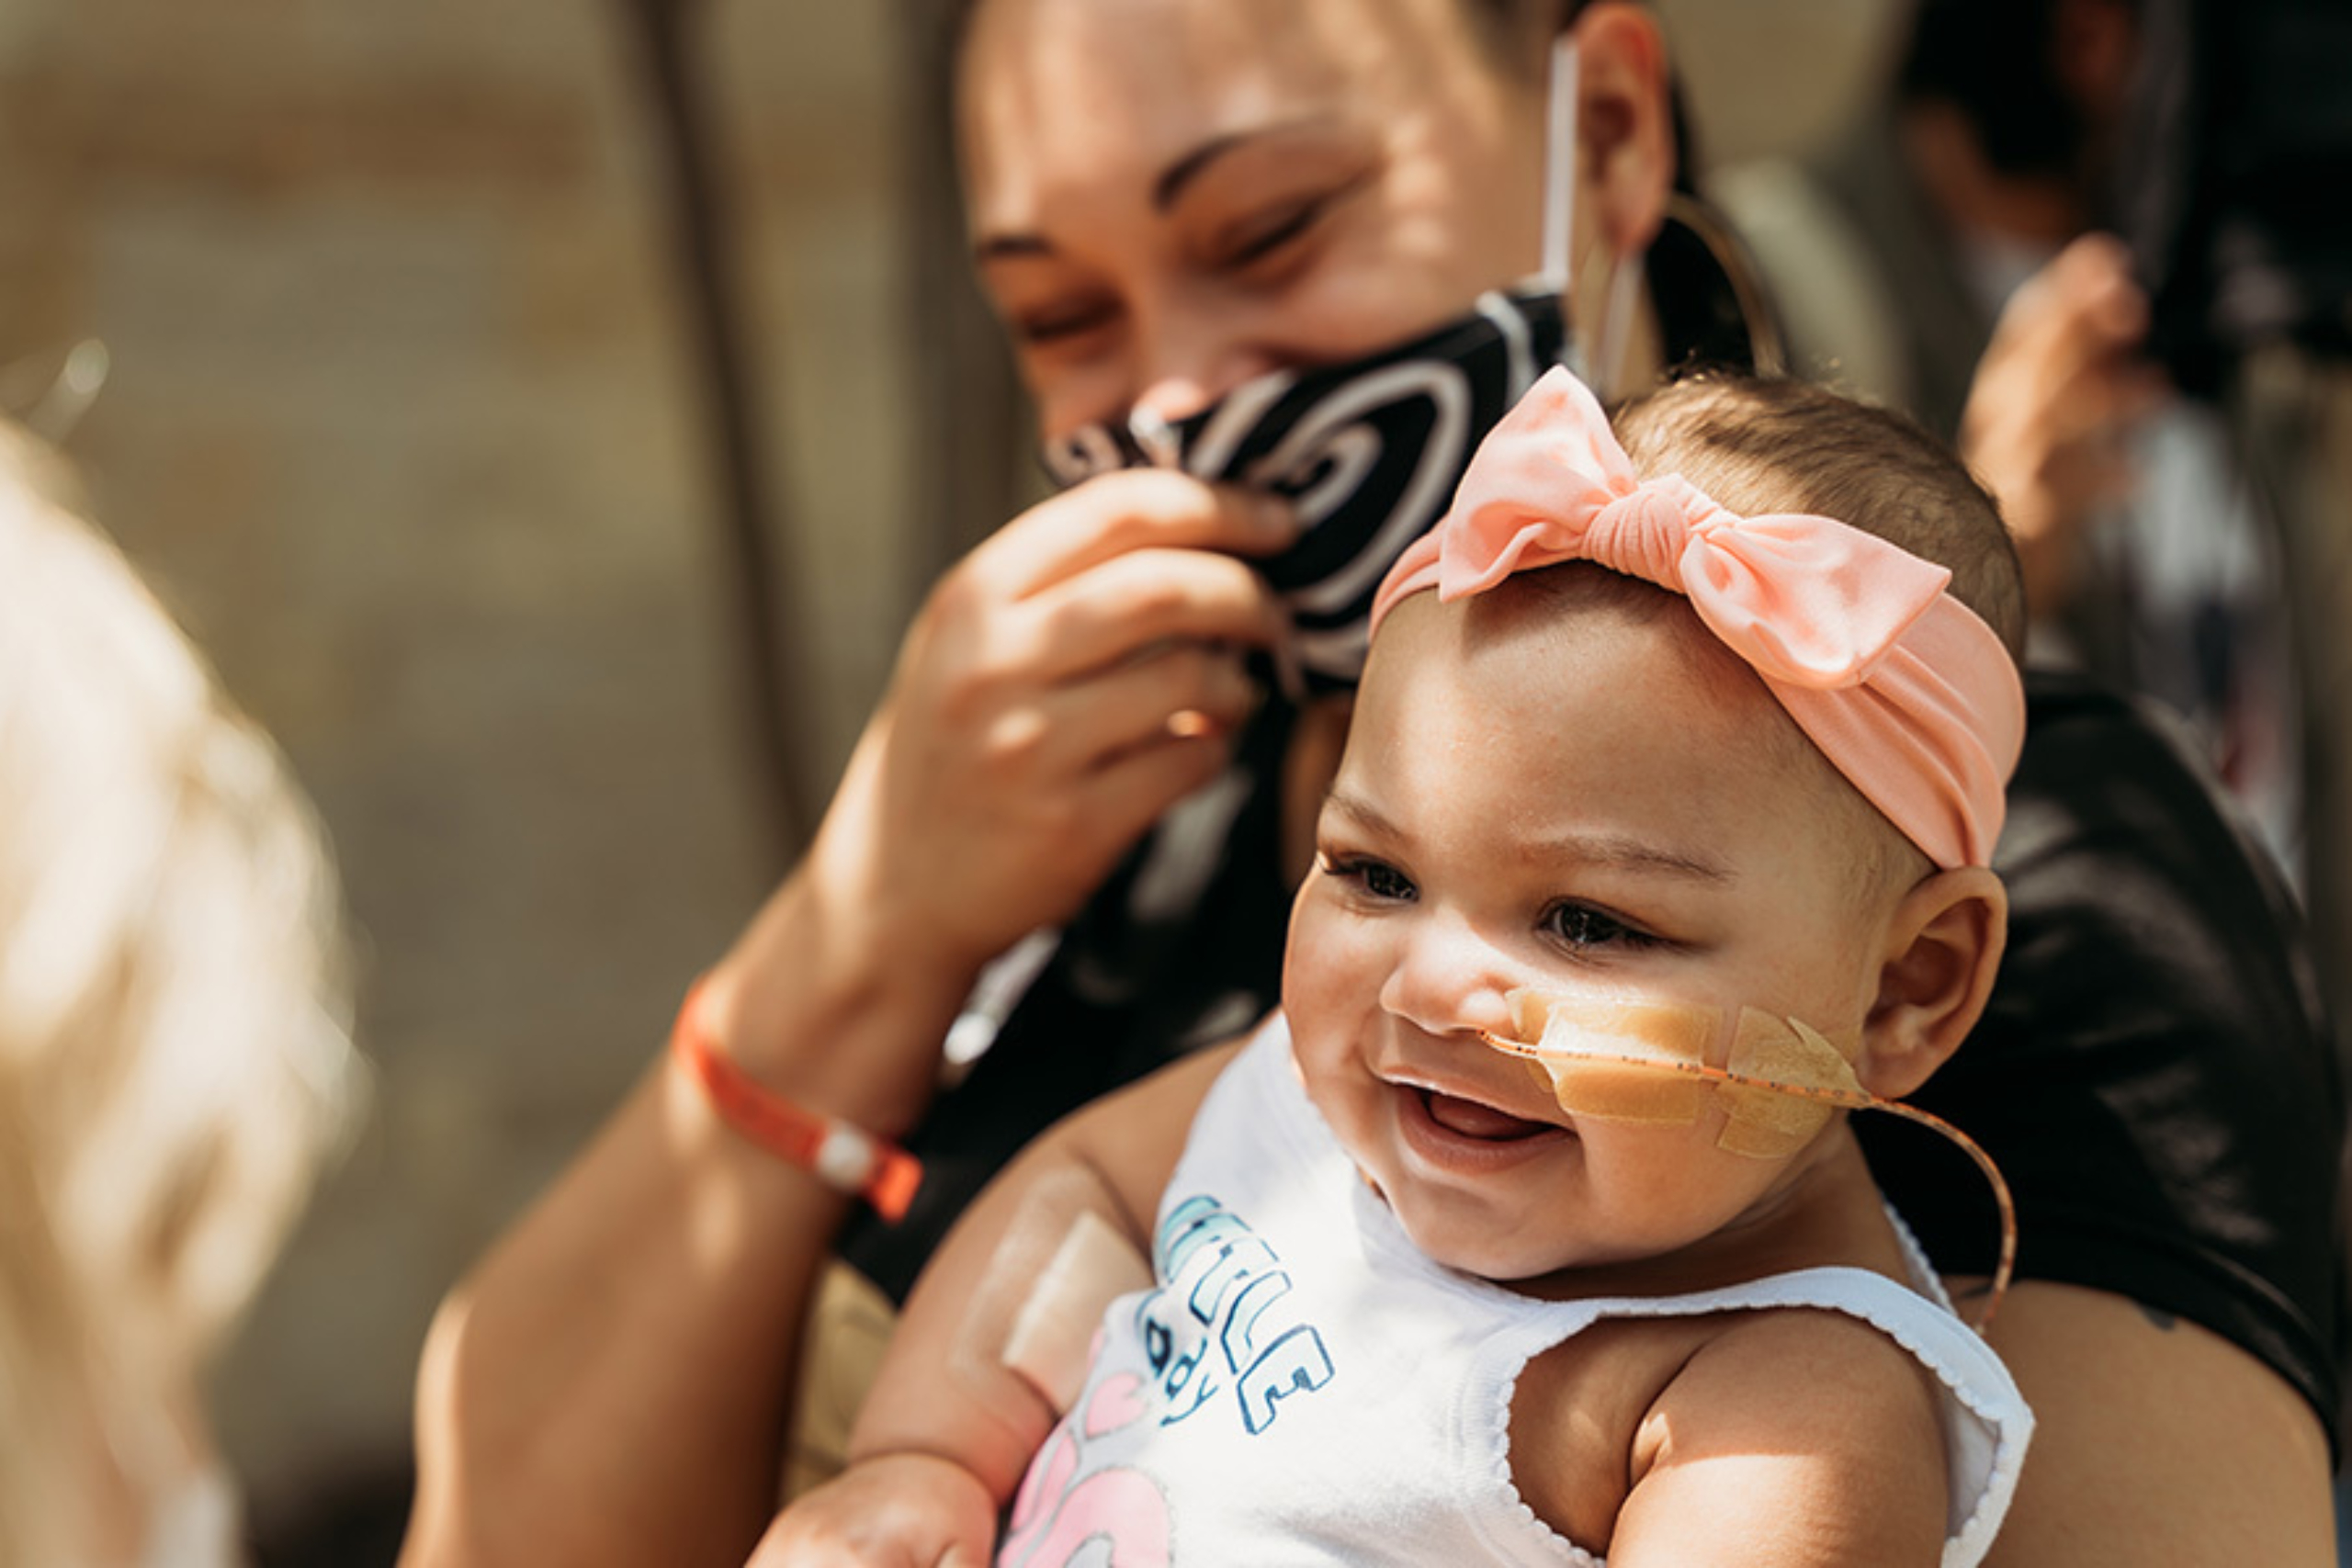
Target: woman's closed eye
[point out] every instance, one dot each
(1270, 233)
(1246, 243)
(1582, 929)
(1047, 326)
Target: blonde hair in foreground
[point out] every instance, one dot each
(173, 1032)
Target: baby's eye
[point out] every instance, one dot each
(1582, 926)
(1377, 879)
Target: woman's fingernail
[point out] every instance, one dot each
(1191, 724)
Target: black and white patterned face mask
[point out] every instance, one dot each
(1368, 452)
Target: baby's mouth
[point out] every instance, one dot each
(1469, 1119)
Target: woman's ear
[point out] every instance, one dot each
(1625, 123)
(1943, 947)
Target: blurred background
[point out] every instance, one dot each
(407, 411)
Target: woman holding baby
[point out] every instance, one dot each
(1170, 203)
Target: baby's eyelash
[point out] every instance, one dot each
(1583, 926)
(1375, 877)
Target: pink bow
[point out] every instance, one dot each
(1906, 692)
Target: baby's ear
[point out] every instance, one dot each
(1943, 946)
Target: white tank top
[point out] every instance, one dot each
(1303, 1386)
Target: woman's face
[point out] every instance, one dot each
(1169, 198)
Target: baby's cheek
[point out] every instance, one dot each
(1328, 970)
(1335, 1084)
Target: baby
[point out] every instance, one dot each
(1495, 1244)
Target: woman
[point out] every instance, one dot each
(1167, 201)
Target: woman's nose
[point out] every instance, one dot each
(1186, 360)
(1173, 398)
(1448, 979)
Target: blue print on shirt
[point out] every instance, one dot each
(1223, 1290)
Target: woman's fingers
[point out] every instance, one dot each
(1102, 623)
(2083, 306)
(1027, 815)
(1043, 756)
(1181, 692)
(2058, 394)
(1118, 512)
(1106, 615)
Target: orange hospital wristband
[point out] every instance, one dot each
(844, 1158)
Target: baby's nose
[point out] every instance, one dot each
(1451, 979)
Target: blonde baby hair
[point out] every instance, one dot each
(174, 1057)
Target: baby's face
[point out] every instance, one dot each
(1600, 806)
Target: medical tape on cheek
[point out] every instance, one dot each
(1778, 1081)
(1600, 1059)
(1783, 1081)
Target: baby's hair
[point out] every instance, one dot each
(174, 1050)
(1761, 445)
(1765, 445)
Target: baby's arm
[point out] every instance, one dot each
(949, 1427)
(1793, 1437)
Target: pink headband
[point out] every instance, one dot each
(1902, 687)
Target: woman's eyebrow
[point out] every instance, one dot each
(1166, 190)
(1192, 166)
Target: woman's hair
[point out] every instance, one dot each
(1514, 31)
(2002, 63)
(173, 1032)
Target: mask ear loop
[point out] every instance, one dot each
(1560, 189)
(1560, 160)
(1616, 327)
(1599, 365)
(1850, 1100)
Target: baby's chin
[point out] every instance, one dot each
(1504, 1260)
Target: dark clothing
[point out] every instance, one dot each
(2154, 1075)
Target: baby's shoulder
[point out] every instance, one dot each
(1784, 1362)
(1601, 1415)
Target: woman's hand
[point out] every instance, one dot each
(896, 1511)
(2059, 389)
(1064, 686)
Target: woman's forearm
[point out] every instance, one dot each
(611, 1384)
